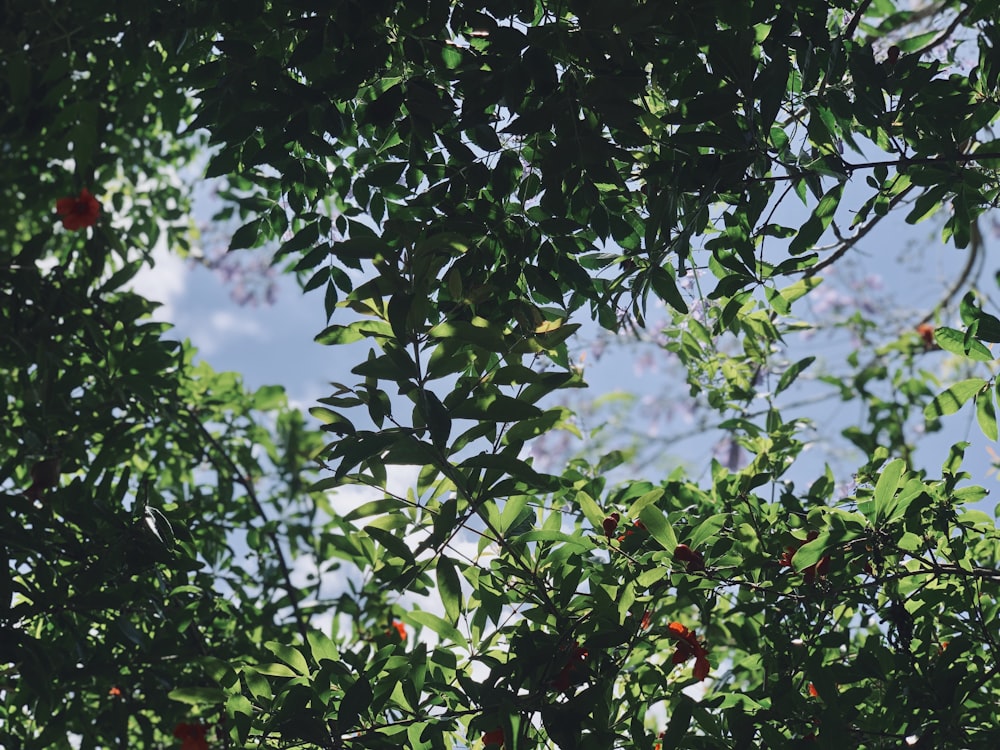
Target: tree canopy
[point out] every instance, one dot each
(467, 187)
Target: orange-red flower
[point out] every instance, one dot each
(400, 629)
(493, 738)
(115, 691)
(813, 692)
(573, 672)
(637, 526)
(810, 574)
(926, 332)
(692, 559)
(688, 645)
(78, 212)
(192, 736)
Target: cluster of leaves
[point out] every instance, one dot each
(466, 183)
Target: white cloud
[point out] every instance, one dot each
(221, 328)
(163, 280)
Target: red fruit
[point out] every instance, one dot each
(692, 559)
(610, 524)
(192, 736)
(493, 738)
(892, 55)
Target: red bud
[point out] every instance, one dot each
(610, 524)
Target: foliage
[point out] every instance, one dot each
(467, 185)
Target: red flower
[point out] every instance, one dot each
(813, 692)
(691, 558)
(115, 691)
(688, 645)
(192, 736)
(639, 526)
(926, 333)
(400, 629)
(80, 212)
(610, 524)
(44, 476)
(572, 672)
(493, 738)
(810, 574)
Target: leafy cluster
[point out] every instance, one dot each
(469, 184)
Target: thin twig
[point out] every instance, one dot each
(247, 484)
(852, 241)
(947, 32)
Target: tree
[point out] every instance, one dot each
(467, 184)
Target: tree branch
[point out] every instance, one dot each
(272, 536)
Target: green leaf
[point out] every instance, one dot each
(956, 342)
(356, 699)
(788, 376)
(269, 397)
(986, 413)
(478, 332)
(246, 236)
(952, 399)
(198, 696)
(811, 553)
(885, 488)
(822, 215)
(708, 528)
(551, 535)
(450, 588)
(393, 543)
(274, 669)
(435, 416)
(591, 510)
(658, 526)
(332, 421)
(646, 499)
(507, 464)
(495, 407)
(322, 647)
(665, 286)
(447, 632)
(290, 656)
(339, 334)
(988, 329)
(532, 428)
